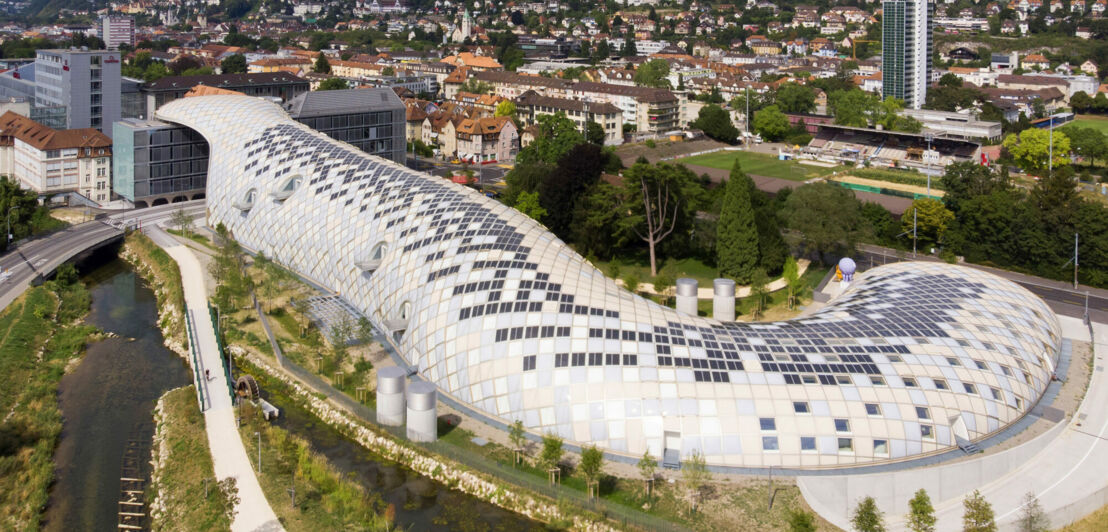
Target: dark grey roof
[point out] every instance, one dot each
(223, 81)
(322, 103)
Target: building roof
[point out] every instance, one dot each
(47, 138)
(483, 126)
(642, 94)
(204, 90)
(322, 103)
(468, 59)
(178, 83)
(532, 98)
(512, 78)
(888, 341)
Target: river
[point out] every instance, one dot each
(107, 402)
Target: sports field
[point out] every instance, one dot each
(758, 164)
(1099, 123)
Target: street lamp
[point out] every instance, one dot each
(259, 435)
(9, 233)
(927, 161)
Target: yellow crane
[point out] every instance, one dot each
(854, 47)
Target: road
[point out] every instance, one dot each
(487, 174)
(42, 255)
(1060, 296)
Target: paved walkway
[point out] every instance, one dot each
(1064, 467)
(228, 452)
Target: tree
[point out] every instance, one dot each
(758, 291)
(771, 123)
(333, 84)
(1032, 518)
(796, 98)
(233, 64)
(852, 107)
(364, 331)
(551, 454)
(629, 49)
(648, 466)
(921, 515)
(475, 86)
(978, 515)
(528, 203)
(339, 337)
(791, 274)
(737, 234)
(322, 66)
(594, 133)
(652, 199)
(716, 123)
(181, 220)
(592, 462)
(866, 516)
(827, 215)
(184, 63)
(518, 438)
(1081, 102)
(694, 472)
(887, 115)
(1087, 143)
(801, 521)
(950, 79)
(577, 170)
(931, 221)
(506, 108)
(556, 135)
(1032, 148)
(653, 74)
(966, 180)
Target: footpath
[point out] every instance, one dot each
(253, 512)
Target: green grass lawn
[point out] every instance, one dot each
(1099, 123)
(758, 164)
(694, 268)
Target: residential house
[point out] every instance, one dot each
(763, 46)
(485, 140)
(530, 105)
(649, 110)
(1035, 61)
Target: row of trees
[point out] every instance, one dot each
(977, 515)
(22, 212)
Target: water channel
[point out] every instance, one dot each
(421, 503)
(107, 405)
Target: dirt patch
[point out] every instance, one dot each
(662, 149)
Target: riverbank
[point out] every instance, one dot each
(41, 338)
(184, 493)
(448, 473)
(164, 277)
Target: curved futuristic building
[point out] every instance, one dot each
(502, 316)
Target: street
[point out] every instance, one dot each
(20, 264)
(488, 175)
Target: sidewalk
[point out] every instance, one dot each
(228, 452)
(1064, 468)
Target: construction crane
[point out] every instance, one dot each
(854, 47)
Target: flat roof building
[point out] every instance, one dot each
(85, 82)
(370, 119)
(158, 162)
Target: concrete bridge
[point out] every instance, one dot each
(35, 260)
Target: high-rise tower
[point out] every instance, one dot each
(906, 45)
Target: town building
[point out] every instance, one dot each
(371, 120)
(531, 105)
(906, 46)
(157, 163)
(86, 83)
(50, 161)
(487, 140)
(279, 85)
(116, 30)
